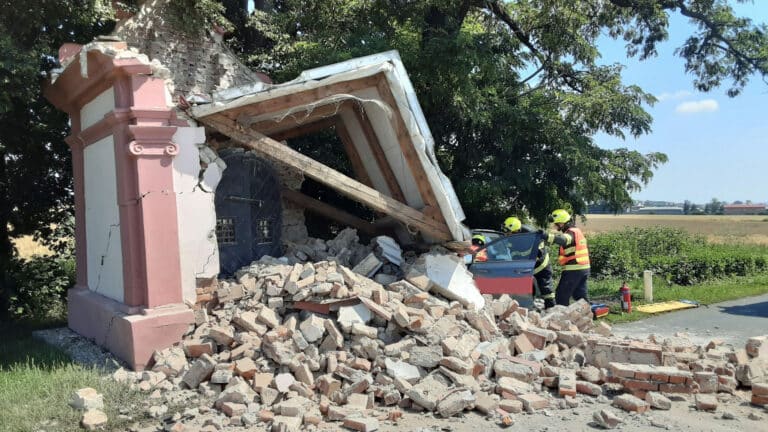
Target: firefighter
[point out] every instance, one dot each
(478, 242)
(574, 258)
(542, 271)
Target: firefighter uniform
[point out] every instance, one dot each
(573, 258)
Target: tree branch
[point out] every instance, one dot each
(713, 27)
(500, 12)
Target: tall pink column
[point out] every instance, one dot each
(151, 314)
(153, 152)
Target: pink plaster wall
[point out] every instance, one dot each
(152, 314)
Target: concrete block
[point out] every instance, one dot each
(283, 382)
(303, 374)
(196, 347)
(364, 330)
(627, 402)
(349, 315)
(455, 402)
(93, 419)
(507, 368)
(588, 388)
(512, 406)
(86, 398)
(170, 361)
(533, 402)
(262, 380)
(362, 424)
(457, 365)
(606, 419)
(286, 424)
(268, 317)
(246, 368)
(375, 308)
(199, 371)
(368, 266)
(334, 339)
(402, 370)
(327, 384)
(222, 335)
(658, 401)
(513, 386)
(707, 381)
(312, 328)
(231, 409)
(268, 396)
(486, 403)
(451, 279)
(522, 344)
(757, 346)
(425, 356)
(566, 382)
(427, 393)
(221, 376)
(705, 402)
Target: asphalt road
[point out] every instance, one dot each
(732, 321)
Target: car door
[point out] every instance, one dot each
(509, 266)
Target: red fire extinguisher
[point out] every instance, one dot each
(626, 298)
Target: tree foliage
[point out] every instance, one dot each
(513, 91)
(35, 173)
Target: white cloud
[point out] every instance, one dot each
(705, 105)
(680, 94)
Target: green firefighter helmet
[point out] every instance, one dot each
(478, 240)
(512, 224)
(560, 216)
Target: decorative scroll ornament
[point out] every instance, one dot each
(149, 148)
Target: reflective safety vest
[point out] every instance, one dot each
(481, 256)
(576, 256)
(543, 261)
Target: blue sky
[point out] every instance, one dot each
(717, 146)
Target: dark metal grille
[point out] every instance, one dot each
(264, 227)
(225, 231)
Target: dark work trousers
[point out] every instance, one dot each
(544, 282)
(573, 283)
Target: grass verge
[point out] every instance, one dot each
(37, 381)
(607, 291)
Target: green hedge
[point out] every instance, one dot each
(674, 254)
(37, 287)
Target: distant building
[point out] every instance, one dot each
(743, 209)
(660, 210)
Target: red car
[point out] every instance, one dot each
(508, 268)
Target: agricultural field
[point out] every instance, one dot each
(26, 246)
(716, 229)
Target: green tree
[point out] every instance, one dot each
(35, 179)
(512, 91)
(687, 207)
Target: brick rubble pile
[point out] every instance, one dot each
(260, 357)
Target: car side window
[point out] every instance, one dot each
(514, 247)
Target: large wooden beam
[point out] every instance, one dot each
(329, 211)
(328, 176)
(305, 97)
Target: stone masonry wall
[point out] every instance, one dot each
(198, 65)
